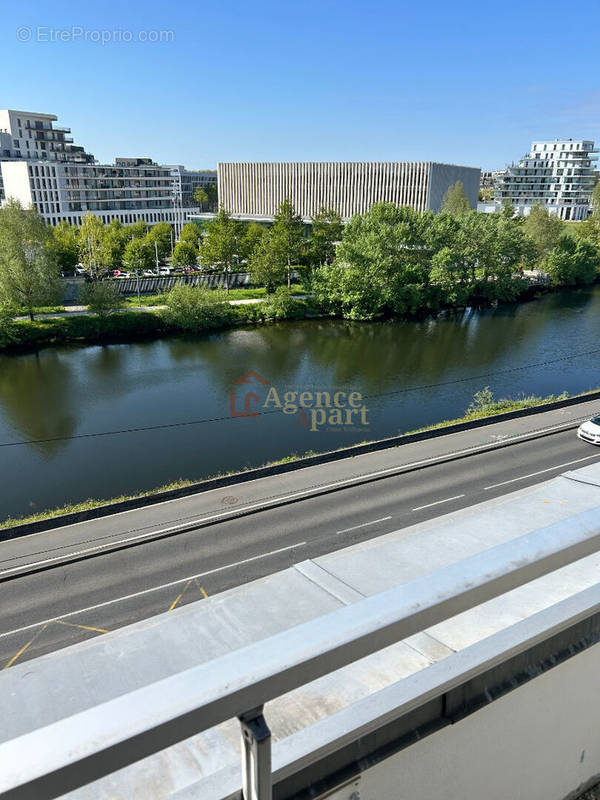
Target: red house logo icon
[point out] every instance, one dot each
(246, 400)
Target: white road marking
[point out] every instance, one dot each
(364, 525)
(540, 472)
(316, 490)
(437, 502)
(153, 589)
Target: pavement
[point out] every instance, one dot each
(62, 586)
(75, 311)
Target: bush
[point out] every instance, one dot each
(102, 297)
(280, 305)
(196, 308)
(8, 330)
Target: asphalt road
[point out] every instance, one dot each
(53, 608)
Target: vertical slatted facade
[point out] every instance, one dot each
(257, 189)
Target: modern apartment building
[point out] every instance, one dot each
(40, 166)
(257, 189)
(558, 174)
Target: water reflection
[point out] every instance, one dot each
(64, 392)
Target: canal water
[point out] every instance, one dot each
(70, 417)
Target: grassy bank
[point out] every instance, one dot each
(25, 336)
(483, 406)
(234, 294)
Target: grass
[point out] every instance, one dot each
(495, 407)
(234, 294)
(477, 410)
(90, 503)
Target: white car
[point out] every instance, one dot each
(590, 431)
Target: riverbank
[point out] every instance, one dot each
(152, 321)
(484, 407)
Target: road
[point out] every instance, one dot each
(67, 603)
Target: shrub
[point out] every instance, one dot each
(196, 308)
(102, 297)
(280, 305)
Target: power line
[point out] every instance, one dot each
(168, 425)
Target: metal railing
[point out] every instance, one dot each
(72, 752)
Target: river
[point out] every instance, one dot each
(409, 374)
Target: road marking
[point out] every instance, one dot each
(356, 480)
(364, 525)
(83, 627)
(148, 591)
(25, 647)
(540, 472)
(437, 502)
(179, 596)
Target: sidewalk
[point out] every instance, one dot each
(71, 311)
(233, 500)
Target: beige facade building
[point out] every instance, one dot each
(257, 189)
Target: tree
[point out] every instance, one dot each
(455, 200)
(138, 255)
(112, 249)
(267, 263)
(200, 196)
(196, 308)
(63, 246)
(287, 236)
(326, 232)
(138, 229)
(185, 254)
(251, 238)
(211, 191)
(572, 261)
(102, 297)
(596, 198)
(190, 232)
(543, 228)
(28, 276)
(220, 245)
(159, 238)
(91, 236)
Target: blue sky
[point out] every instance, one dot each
(464, 82)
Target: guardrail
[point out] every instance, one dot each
(162, 283)
(72, 752)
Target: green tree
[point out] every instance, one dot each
(287, 236)
(63, 246)
(190, 232)
(114, 241)
(572, 262)
(252, 236)
(268, 265)
(596, 198)
(159, 238)
(138, 229)
(28, 276)
(138, 255)
(543, 228)
(327, 229)
(102, 297)
(221, 243)
(91, 235)
(201, 196)
(455, 200)
(185, 254)
(196, 308)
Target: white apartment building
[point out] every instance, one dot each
(41, 167)
(558, 174)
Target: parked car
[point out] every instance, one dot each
(80, 269)
(590, 431)
(165, 271)
(119, 273)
